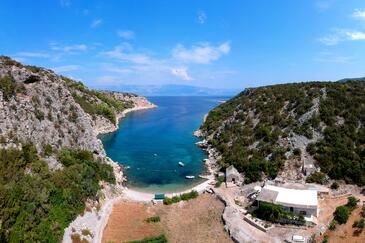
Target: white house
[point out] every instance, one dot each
(298, 201)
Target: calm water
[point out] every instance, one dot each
(152, 142)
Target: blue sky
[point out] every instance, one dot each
(230, 44)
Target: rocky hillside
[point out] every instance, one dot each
(292, 130)
(52, 165)
(53, 112)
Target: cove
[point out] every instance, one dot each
(152, 142)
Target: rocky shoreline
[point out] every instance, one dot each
(96, 218)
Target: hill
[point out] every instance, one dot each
(51, 161)
(284, 130)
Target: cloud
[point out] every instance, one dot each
(341, 35)
(202, 17)
(115, 69)
(182, 73)
(323, 5)
(126, 34)
(96, 23)
(201, 54)
(70, 48)
(66, 68)
(65, 3)
(125, 53)
(33, 54)
(358, 14)
(329, 57)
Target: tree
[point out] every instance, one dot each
(352, 202)
(342, 214)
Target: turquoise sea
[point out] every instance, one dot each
(152, 142)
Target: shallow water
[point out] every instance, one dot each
(152, 142)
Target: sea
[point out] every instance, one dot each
(151, 143)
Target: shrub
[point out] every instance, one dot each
(333, 225)
(341, 214)
(359, 224)
(39, 114)
(297, 152)
(185, 197)
(352, 202)
(47, 150)
(334, 186)
(9, 87)
(158, 239)
(153, 219)
(317, 177)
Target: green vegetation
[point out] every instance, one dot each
(334, 186)
(220, 180)
(153, 219)
(96, 102)
(37, 204)
(352, 202)
(317, 177)
(9, 87)
(47, 150)
(342, 214)
(158, 239)
(251, 123)
(359, 224)
(276, 214)
(333, 225)
(184, 197)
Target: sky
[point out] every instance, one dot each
(218, 44)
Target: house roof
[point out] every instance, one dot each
(289, 197)
(232, 171)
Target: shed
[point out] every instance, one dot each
(159, 196)
(232, 174)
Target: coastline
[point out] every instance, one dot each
(96, 220)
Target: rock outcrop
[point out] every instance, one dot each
(48, 110)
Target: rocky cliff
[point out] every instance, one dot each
(53, 112)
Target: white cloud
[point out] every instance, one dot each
(323, 5)
(359, 14)
(341, 35)
(96, 23)
(33, 54)
(66, 68)
(126, 34)
(70, 48)
(65, 3)
(202, 17)
(125, 53)
(115, 69)
(329, 57)
(182, 73)
(201, 54)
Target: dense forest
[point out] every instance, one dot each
(251, 130)
(36, 203)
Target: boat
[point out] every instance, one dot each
(181, 164)
(155, 155)
(189, 177)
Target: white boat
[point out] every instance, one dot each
(181, 164)
(189, 177)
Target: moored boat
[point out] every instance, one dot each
(189, 177)
(181, 164)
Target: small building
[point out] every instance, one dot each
(232, 174)
(298, 201)
(159, 196)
